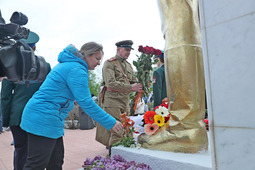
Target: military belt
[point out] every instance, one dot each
(108, 89)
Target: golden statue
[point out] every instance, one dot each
(185, 131)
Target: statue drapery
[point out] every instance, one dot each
(184, 73)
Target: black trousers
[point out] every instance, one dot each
(20, 144)
(44, 153)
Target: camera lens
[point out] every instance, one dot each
(19, 18)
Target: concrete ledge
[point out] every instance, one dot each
(166, 160)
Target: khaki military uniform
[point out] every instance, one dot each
(116, 96)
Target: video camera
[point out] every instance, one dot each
(17, 59)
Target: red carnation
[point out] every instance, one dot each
(206, 124)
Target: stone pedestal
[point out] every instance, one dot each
(163, 160)
(228, 50)
(166, 160)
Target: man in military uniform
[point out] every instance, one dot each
(118, 81)
(159, 82)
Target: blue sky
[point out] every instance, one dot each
(62, 22)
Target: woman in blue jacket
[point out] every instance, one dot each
(45, 113)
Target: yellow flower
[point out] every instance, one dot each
(159, 120)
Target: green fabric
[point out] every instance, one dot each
(159, 86)
(14, 98)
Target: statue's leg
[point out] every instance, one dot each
(185, 131)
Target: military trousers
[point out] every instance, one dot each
(104, 136)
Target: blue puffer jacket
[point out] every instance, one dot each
(45, 113)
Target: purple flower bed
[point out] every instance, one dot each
(113, 163)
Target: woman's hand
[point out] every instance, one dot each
(117, 127)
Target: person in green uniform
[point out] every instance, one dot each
(118, 82)
(13, 100)
(159, 82)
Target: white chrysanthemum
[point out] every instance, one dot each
(162, 111)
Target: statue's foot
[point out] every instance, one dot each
(187, 140)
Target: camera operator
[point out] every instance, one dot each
(17, 59)
(14, 98)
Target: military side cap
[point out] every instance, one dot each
(32, 39)
(125, 44)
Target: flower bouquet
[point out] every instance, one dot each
(112, 163)
(128, 139)
(155, 119)
(144, 67)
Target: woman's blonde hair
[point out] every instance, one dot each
(91, 48)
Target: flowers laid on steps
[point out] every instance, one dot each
(128, 139)
(162, 111)
(113, 163)
(153, 120)
(159, 120)
(149, 129)
(158, 117)
(127, 123)
(149, 117)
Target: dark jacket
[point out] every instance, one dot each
(159, 85)
(14, 98)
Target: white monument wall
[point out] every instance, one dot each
(228, 37)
